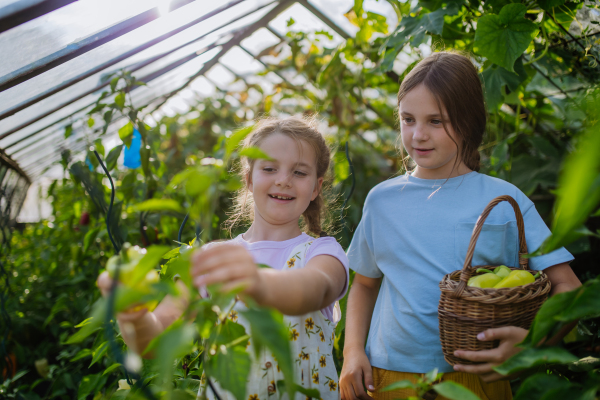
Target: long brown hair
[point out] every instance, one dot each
(297, 128)
(453, 80)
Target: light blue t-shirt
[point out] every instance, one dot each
(412, 237)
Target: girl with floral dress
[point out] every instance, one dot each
(308, 274)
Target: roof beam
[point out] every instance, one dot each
(130, 53)
(101, 85)
(249, 30)
(23, 11)
(86, 93)
(82, 46)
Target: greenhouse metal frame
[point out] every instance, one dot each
(48, 92)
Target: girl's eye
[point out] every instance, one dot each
(407, 120)
(436, 121)
(300, 173)
(268, 169)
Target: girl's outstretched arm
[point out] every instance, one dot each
(293, 292)
(563, 279)
(357, 368)
(138, 328)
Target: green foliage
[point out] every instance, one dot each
(504, 37)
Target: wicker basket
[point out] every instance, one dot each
(465, 311)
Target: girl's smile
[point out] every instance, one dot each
(281, 198)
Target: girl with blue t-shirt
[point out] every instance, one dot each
(416, 228)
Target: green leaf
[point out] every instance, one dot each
(236, 138)
(83, 353)
(68, 130)
(99, 352)
(91, 122)
(537, 385)
(197, 183)
(174, 342)
(504, 37)
(113, 83)
(91, 324)
(149, 262)
(578, 191)
(404, 384)
(254, 153)
(231, 369)
(312, 393)
(111, 368)
(90, 384)
(126, 134)
(113, 157)
(494, 79)
(414, 28)
(159, 205)
(229, 332)
(532, 357)
(454, 391)
(120, 100)
(179, 266)
(99, 146)
(547, 5)
(544, 321)
(358, 6)
(89, 238)
(268, 330)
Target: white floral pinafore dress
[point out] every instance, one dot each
(311, 338)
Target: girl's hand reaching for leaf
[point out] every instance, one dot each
(230, 265)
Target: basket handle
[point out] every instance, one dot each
(523, 262)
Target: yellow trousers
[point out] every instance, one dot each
(499, 390)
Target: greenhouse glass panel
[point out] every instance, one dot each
(54, 31)
(259, 41)
(305, 21)
(70, 69)
(32, 111)
(241, 62)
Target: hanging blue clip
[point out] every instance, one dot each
(131, 154)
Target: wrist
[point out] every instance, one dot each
(352, 350)
(258, 290)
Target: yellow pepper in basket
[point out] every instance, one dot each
(484, 281)
(515, 278)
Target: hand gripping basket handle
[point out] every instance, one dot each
(523, 262)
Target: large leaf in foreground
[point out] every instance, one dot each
(175, 342)
(529, 358)
(454, 391)
(268, 330)
(230, 368)
(578, 192)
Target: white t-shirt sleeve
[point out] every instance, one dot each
(330, 247)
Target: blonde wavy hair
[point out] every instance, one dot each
(299, 129)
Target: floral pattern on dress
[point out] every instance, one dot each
(311, 341)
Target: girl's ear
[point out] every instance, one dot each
(317, 190)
